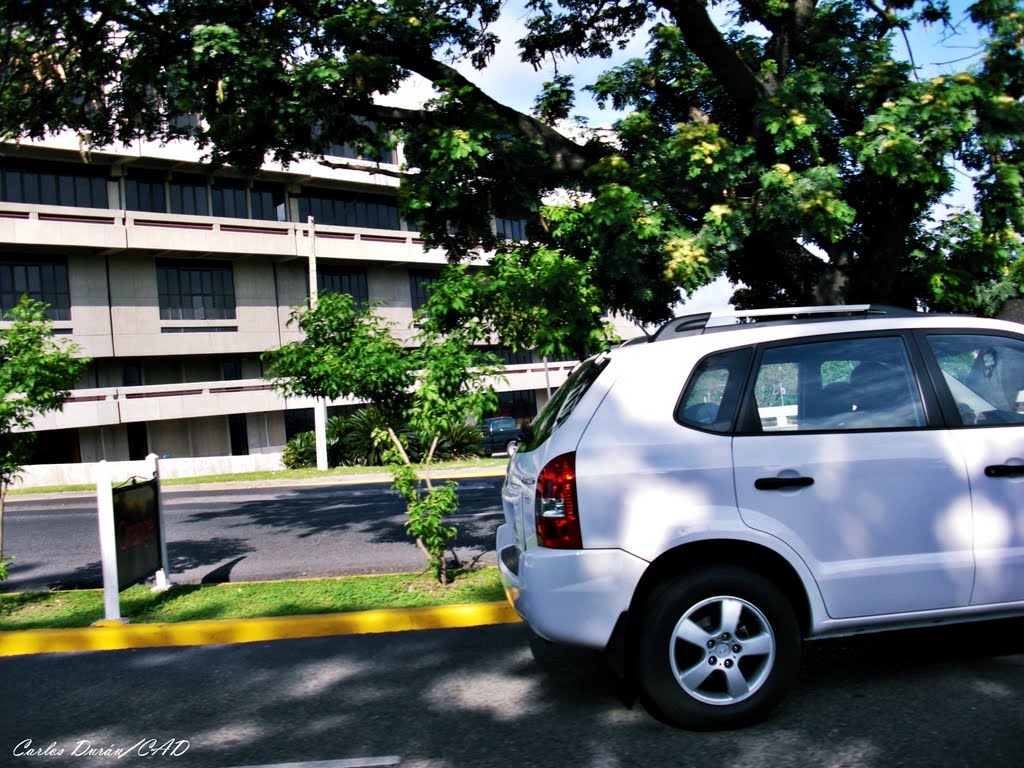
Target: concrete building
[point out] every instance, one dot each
(174, 277)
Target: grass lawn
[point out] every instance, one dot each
(80, 608)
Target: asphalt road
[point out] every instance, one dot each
(492, 698)
(246, 535)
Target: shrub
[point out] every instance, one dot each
(337, 428)
(300, 452)
(461, 442)
(366, 441)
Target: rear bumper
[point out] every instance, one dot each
(568, 596)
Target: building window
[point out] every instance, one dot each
(520, 405)
(236, 200)
(138, 440)
(131, 373)
(339, 280)
(510, 228)
(268, 203)
(508, 357)
(238, 434)
(188, 197)
(347, 150)
(195, 290)
(420, 282)
(145, 192)
(350, 210)
(41, 280)
(56, 187)
(230, 200)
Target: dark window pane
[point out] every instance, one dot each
(338, 280)
(65, 190)
(83, 192)
(195, 291)
(29, 188)
(145, 194)
(510, 228)
(10, 186)
(419, 286)
(351, 210)
(98, 193)
(268, 203)
(43, 281)
(48, 194)
(188, 197)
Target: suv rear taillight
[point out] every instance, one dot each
(556, 508)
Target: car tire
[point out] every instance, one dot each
(719, 648)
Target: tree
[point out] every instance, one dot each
(36, 374)
(348, 351)
(790, 145)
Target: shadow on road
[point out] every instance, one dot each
(491, 697)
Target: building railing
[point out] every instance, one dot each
(22, 223)
(106, 406)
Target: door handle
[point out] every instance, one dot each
(1005, 470)
(781, 483)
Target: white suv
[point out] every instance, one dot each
(699, 504)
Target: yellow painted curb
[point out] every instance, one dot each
(214, 632)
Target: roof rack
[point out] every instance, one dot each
(696, 324)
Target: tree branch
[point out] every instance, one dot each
(363, 168)
(787, 32)
(704, 38)
(567, 156)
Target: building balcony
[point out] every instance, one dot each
(120, 405)
(119, 230)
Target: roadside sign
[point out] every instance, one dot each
(137, 527)
(132, 542)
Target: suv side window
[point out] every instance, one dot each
(853, 383)
(710, 399)
(985, 376)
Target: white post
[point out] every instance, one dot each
(320, 431)
(547, 376)
(312, 262)
(163, 575)
(108, 542)
(320, 407)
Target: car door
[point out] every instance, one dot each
(982, 389)
(859, 478)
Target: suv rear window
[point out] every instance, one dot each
(563, 402)
(710, 399)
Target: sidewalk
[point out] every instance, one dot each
(107, 636)
(234, 485)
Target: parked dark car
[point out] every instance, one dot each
(500, 434)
